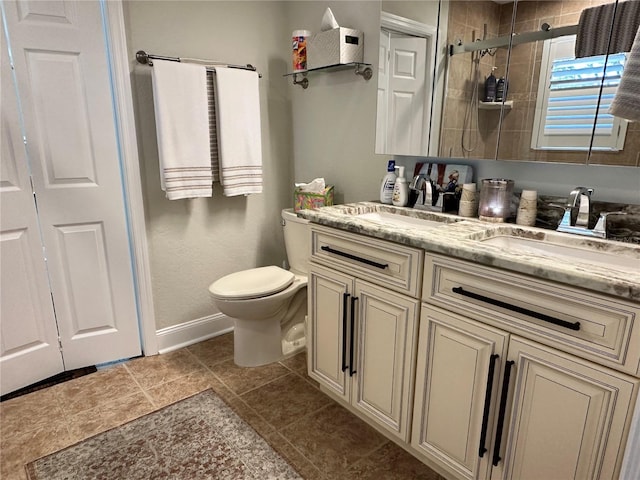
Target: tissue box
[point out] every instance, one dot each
(306, 200)
(335, 46)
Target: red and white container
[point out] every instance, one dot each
(299, 54)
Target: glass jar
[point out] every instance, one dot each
(495, 199)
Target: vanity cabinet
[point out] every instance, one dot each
(481, 373)
(361, 336)
(490, 403)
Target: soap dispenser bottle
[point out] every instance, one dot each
(501, 90)
(401, 189)
(490, 87)
(388, 183)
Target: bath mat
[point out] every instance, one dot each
(200, 437)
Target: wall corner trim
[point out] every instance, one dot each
(194, 331)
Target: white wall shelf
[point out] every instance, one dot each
(496, 105)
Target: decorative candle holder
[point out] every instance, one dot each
(495, 199)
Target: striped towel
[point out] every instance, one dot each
(213, 130)
(180, 101)
(626, 103)
(595, 27)
(239, 136)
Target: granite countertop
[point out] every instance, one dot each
(616, 273)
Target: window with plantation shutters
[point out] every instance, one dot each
(570, 101)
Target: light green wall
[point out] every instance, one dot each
(327, 130)
(334, 119)
(194, 242)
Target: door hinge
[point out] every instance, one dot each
(60, 344)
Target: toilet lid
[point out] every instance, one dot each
(253, 283)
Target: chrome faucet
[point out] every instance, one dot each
(576, 215)
(423, 185)
(580, 198)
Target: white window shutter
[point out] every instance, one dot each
(568, 95)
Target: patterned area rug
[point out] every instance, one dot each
(200, 437)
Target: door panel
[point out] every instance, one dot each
(454, 358)
(383, 91)
(386, 324)
(327, 336)
(89, 282)
(28, 337)
(567, 412)
(407, 94)
(63, 82)
(63, 122)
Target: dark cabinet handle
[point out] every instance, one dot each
(501, 412)
(353, 323)
(487, 404)
(345, 302)
(354, 257)
(515, 308)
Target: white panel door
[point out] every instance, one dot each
(383, 90)
(62, 74)
(407, 95)
(29, 348)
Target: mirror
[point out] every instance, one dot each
(469, 124)
(406, 73)
(627, 149)
(518, 129)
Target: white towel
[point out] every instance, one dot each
(182, 126)
(626, 103)
(238, 126)
(594, 28)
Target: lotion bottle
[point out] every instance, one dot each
(388, 183)
(401, 189)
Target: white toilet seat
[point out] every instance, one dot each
(253, 283)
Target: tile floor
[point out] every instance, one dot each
(318, 436)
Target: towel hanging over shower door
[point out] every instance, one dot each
(595, 33)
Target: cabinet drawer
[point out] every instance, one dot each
(600, 328)
(384, 263)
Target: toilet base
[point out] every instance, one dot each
(250, 333)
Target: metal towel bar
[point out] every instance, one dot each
(147, 59)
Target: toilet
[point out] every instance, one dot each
(269, 304)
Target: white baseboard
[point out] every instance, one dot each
(194, 331)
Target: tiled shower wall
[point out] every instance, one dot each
(524, 72)
(460, 124)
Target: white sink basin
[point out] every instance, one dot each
(617, 261)
(403, 221)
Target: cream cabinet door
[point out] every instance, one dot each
(457, 379)
(329, 294)
(569, 417)
(385, 346)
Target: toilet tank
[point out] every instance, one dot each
(297, 241)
